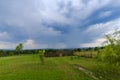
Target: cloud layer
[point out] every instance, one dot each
(56, 23)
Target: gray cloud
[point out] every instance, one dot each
(33, 21)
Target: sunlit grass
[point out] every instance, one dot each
(29, 67)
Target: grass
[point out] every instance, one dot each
(29, 67)
(86, 53)
(99, 69)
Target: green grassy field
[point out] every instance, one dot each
(99, 69)
(29, 67)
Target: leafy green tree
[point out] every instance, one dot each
(19, 48)
(1, 53)
(111, 52)
(41, 54)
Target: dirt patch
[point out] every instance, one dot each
(86, 72)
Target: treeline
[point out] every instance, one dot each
(14, 52)
(88, 49)
(48, 52)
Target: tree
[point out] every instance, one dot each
(41, 54)
(19, 48)
(111, 52)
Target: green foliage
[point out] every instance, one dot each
(1, 53)
(27, 67)
(111, 52)
(41, 54)
(11, 53)
(19, 47)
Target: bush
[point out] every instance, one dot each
(111, 53)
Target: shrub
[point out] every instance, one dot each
(111, 53)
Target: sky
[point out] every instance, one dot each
(57, 24)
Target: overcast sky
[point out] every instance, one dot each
(57, 23)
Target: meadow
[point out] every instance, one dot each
(29, 67)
